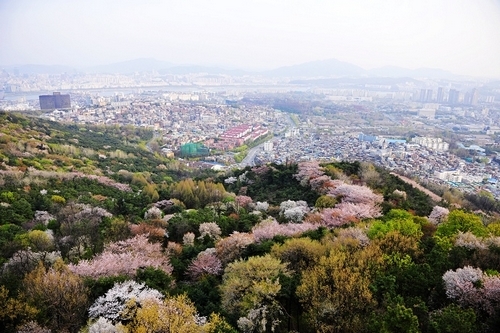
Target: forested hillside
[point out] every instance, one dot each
(98, 234)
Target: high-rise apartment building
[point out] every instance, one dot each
(474, 97)
(428, 95)
(453, 96)
(422, 95)
(55, 101)
(440, 95)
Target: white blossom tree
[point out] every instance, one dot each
(210, 229)
(438, 215)
(111, 305)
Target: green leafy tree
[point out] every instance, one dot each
(397, 318)
(453, 319)
(459, 220)
(325, 201)
(250, 288)
(396, 220)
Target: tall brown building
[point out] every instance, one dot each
(55, 101)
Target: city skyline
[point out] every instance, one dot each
(462, 37)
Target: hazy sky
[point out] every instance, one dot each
(462, 36)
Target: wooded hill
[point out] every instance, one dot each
(98, 234)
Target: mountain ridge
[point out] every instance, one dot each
(327, 68)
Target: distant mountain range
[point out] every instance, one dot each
(330, 68)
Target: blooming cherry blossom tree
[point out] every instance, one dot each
(210, 229)
(346, 212)
(307, 171)
(188, 239)
(261, 206)
(469, 241)
(153, 213)
(205, 263)
(323, 184)
(270, 228)
(111, 305)
(439, 214)
(356, 194)
(124, 258)
(294, 210)
(231, 247)
(462, 284)
(243, 201)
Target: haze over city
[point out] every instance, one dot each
(458, 36)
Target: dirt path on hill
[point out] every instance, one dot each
(407, 180)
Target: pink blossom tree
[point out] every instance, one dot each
(243, 201)
(231, 247)
(124, 258)
(354, 233)
(270, 228)
(356, 194)
(463, 285)
(491, 296)
(323, 184)
(471, 287)
(307, 171)
(347, 212)
(205, 263)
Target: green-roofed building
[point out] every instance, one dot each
(194, 150)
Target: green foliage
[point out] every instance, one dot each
(325, 201)
(240, 156)
(9, 240)
(299, 253)
(240, 149)
(461, 221)
(336, 291)
(396, 220)
(205, 294)
(57, 199)
(155, 279)
(397, 318)
(349, 168)
(453, 319)
(188, 221)
(18, 212)
(258, 249)
(317, 234)
(99, 287)
(494, 228)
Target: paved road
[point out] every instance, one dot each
(249, 160)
